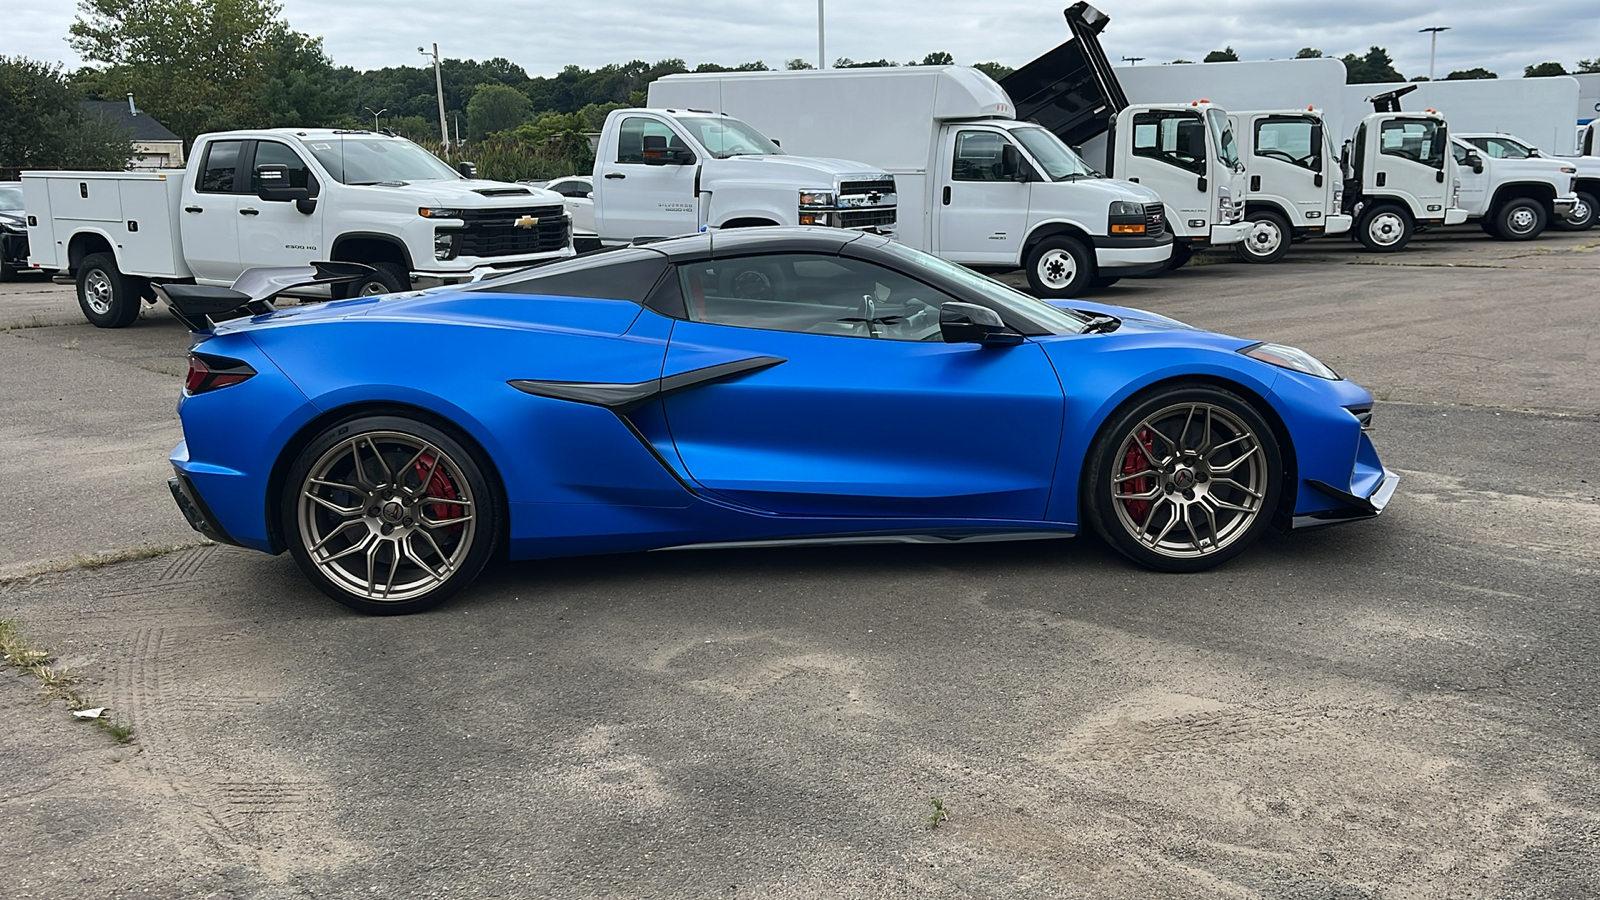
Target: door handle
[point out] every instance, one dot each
(1383, 179)
(615, 175)
(193, 209)
(1201, 184)
(249, 212)
(1255, 182)
(1439, 176)
(947, 195)
(1317, 181)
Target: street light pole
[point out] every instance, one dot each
(1433, 52)
(438, 83)
(1132, 60)
(822, 51)
(375, 115)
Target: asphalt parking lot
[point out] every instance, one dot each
(1399, 708)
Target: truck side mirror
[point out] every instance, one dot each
(272, 185)
(1012, 168)
(467, 170)
(969, 323)
(657, 153)
(1475, 162)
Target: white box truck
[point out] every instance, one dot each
(283, 197)
(1294, 187)
(975, 186)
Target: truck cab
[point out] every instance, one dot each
(1586, 172)
(1294, 189)
(1509, 188)
(1400, 176)
(660, 172)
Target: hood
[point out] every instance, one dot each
(1139, 319)
(808, 167)
(1110, 188)
(12, 217)
(473, 193)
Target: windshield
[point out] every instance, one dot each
(1227, 148)
(723, 137)
(1053, 319)
(10, 196)
(1058, 160)
(352, 159)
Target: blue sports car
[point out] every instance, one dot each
(752, 388)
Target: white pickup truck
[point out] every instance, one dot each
(284, 197)
(1509, 189)
(663, 172)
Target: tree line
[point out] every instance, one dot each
(1376, 66)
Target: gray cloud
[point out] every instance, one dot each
(544, 36)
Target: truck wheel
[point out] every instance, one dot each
(1268, 240)
(1060, 267)
(386, 278)
(1520, 219)
(1385, 229)
(1582, 216)
(107, 297)
(1181, 254)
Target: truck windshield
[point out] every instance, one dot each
(1048, 318)
(723, 137)
(354, 159)
(1058, 160)
(1227, 147)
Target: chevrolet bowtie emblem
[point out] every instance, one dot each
(526, 221)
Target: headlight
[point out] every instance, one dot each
(444, 245)
(1291, 358)
(1125, 208)
(1126, 217)
(817, 199)
(434, 212)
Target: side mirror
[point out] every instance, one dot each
(1475, 162)
(1012, 168)
(657, 153)
(775, 142)
(467, 170)
(969, 323)
(273, 181)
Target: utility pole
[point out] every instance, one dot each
(1132, 60)
(822, 50)
(438, 83)
(1433, 52)
(375, 115)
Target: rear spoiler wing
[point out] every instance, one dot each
(1070, 90)
(196, 305)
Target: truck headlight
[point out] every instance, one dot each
(817, 199)
(434, 212)
(444, 245)
(1126, 218)
(817, 218)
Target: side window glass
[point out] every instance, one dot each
(1175, 138)
(1288, 140)
(630, 137)
(1412, 139)
(826, 295)
(1460, 153)
(272, 153)
(217, 175)
(977, 156)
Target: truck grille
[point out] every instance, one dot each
(874, 186)
(494, 232)
(1155, 220)
(865, 218)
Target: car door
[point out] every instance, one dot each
(1474, 185)
(577, 195)
(646, 198)
(278, 233)
(210, 223)
(1286, 154)
(851, 404)
(983, 215)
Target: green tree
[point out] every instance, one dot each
(1181, 62)
(845, 62)
(1374, 67)
(1588, 66)
(1224, 55)
(496, 107)
(938, 58)
(994, 70)
(1308, 53)
(798, 65)
(46, 128)
(1544, 70)
(1470, 74)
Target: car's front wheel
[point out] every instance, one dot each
(1582, 216)
(1385, 228)
(1183, 480)
(1521, 219)
(1060, 268)
(1268, 240)
(389, 515)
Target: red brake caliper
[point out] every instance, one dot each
(439, 486)
(1134, 461)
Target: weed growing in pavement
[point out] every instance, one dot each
(96, 560)
(937, 814)
(57, 683)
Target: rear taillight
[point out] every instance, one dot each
(207, 373)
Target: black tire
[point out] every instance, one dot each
(1181, 254)
(1582, 216)
(1488, 228)
(386, 278)
(1102, 282)
(7, 273)
(1385, 228)
(1060, 267)
(108, 298)
(1270, 239)
(1520, 219)
(403, 465)
(1187, 495)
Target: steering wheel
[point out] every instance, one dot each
(752, 284)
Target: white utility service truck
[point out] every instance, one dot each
(1400, 177)
(1509, 189)
(660, 172)
(1294, 188)
(284, 197)
(975, 185)
(1184, 151)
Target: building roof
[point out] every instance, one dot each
(141, 127)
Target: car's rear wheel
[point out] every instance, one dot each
(1185, 479)
(108, 298)
(389, 515)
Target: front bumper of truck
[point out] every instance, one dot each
(1455, 215)
(1129, 257)
(1337, 224)
(1224, 235)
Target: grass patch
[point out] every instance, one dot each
(96, 560)
(57, 683)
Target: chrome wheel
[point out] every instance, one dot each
(1521, 221)
(1582, 215)
(387, 516)
(98, 292)
(1057, 269)
(1190, 480)
(1386, 229)
(1265, 239)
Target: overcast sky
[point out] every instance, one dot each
(544, 36)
